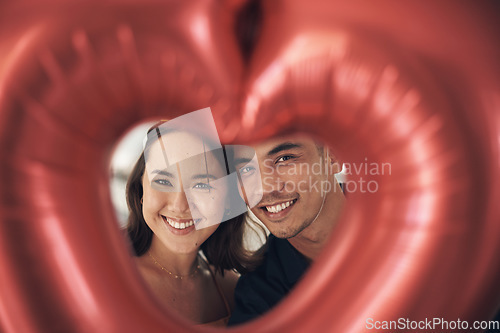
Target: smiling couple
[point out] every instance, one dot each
(185, 184)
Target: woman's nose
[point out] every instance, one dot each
(177, 202)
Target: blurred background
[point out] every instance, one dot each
(126, 153)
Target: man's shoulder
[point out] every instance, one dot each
(259, 290)
(278, 272)
(269, 259)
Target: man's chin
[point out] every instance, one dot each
(285, 229)
(281, 232)
(283, 235)
(280, 228)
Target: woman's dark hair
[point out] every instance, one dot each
(223, 249)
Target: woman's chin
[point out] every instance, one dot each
(207, 223)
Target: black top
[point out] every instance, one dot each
(258, 291)
(494, 329)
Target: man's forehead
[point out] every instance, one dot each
(286, 142)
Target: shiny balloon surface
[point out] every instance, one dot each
(413, 84)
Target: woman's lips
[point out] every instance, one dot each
(179, 226)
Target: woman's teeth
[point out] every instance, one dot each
(179, 225)
(279, 207)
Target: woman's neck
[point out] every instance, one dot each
(177, 264)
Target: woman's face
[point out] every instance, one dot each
(183, 202)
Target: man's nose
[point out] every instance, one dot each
(272, 182)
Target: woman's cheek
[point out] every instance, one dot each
(152, 201)
(213, 206)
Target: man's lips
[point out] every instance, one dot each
(278, 207)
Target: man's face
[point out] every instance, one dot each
(294, 177)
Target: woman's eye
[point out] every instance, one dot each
(247, 170)
(284, 158)
(162, 182)
(202, 186)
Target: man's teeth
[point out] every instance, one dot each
(279, 207)
(179, 225)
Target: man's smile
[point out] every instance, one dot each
(276, 208)
(277, 211)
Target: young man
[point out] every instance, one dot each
(300, 205)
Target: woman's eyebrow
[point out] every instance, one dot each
(163, 173)
(241, 160)
(204, 176)
(283, 146)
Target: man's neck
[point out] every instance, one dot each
(313, 239)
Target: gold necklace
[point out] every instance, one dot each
(195, 271)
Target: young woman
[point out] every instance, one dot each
(177, 201)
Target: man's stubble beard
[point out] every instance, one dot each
(306, 223)
(290, 232)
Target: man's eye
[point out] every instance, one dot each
(162, 182)
(284, 158)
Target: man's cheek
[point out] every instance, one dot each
(257, 212)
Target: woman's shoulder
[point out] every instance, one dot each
(227, 284)
(230, 278)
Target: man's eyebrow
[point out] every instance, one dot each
(163, 173)
(283, 146)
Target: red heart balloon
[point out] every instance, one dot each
(381, 82)
(348, 74)
(77, 76)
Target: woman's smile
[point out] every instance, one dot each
(180, 226)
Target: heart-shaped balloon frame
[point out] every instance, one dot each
(72, 87)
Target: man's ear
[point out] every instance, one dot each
(333, 163)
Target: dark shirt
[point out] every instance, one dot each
(494, 329)
(258, 291)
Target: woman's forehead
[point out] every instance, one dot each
(178, 159)
(177, 146)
